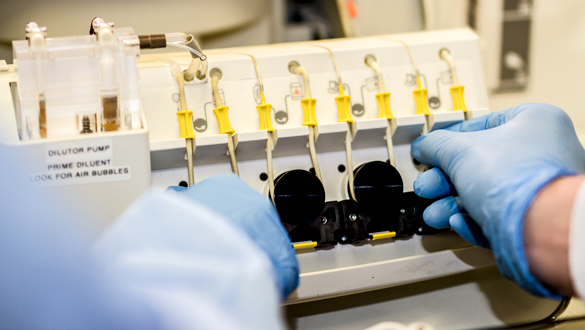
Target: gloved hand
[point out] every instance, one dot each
(489, 170)
(247, 209)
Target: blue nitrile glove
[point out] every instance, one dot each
(229, 196)
(491, 169)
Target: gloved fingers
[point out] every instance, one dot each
(219, 190)
(494, 119)
(468, 229)
(437, 148)
(284, 259)
(232, 197)
(499, 118)
(227, 194)
(433, 183)
(473, 125)
(482, 123)
(269, 234)
(437, 214)
(249, 210)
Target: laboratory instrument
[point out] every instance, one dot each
(112, 128)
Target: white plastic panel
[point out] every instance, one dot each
(239, 89)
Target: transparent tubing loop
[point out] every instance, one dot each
(269, 142)
(416, 73)
(349, 134)
(373, 64)
(297, 69)
(198, 66)
(218, 102)
(189, 143)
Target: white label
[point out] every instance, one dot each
(62, 154)
(64, 178)
(80, 162)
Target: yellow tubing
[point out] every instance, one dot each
(304, 245)
(383, 235)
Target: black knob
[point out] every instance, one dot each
(299, 196)
(378, 187)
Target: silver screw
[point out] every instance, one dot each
(352, 217)
(323, 220)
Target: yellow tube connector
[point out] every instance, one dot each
(186, 124)
(458, 100)
(223, 120)
(384, 106)
(389, 234)
(343, 102)
(304, 245)
(457, 89)
(421, 99)
(309, 116)
(343, 109)
(265, 122)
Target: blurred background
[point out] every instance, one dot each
(533, 50)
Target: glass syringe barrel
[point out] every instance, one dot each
(111, 111)
(109, 93)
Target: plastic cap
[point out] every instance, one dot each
(309, 117)
(343, 109)
(186, 124)
(265, 122)
(458, 101)
(384, 105)
(223, 120)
